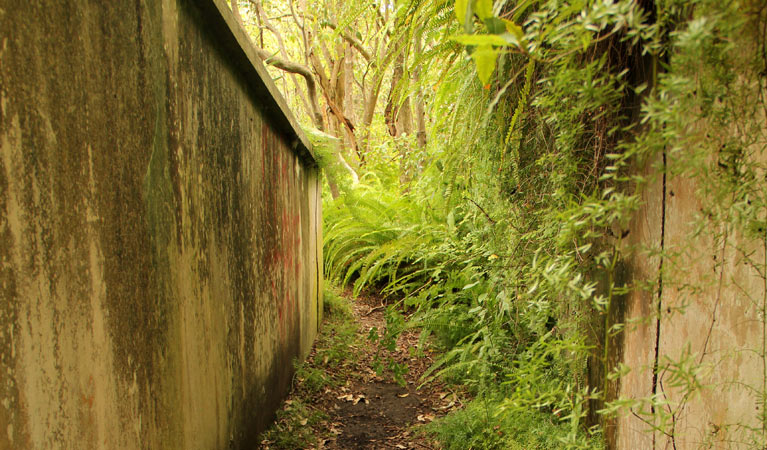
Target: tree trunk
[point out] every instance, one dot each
(397, 114)
(334, 192)
(420, 113)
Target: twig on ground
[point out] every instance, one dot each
(374, 309)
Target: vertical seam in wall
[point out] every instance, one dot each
(318, 227)
(660, 294)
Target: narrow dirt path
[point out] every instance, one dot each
(363, 410)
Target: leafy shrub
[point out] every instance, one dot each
(484, 424)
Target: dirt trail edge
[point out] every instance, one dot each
(360, 409)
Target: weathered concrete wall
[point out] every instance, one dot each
(696, 314)
(160, 227)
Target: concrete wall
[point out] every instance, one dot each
(697, 311)
(160, 227)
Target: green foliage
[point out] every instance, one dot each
(336, 308)
(387, 342)
(325, 147)
(336, 345)
(334, 349)
(375, 237)
(292, 429)
(485, 424)
(509, 247)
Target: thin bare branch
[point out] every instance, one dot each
(265, 22)
(353, 41)
(292, 67)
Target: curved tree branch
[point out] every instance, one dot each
(266, 23)
(353, 41)
(298, 69)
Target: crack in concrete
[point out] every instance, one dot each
(660, 292)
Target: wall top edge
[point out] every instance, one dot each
(243, 55)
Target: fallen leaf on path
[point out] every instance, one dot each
(403, 395)
(448, 406)
(353, 398)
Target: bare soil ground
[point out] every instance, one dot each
(369, 411)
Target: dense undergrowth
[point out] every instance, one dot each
(506, 245)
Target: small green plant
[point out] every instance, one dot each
(336, 308)
(293, 428)
(484, 424)
(387, 344)
(313, 379)
(336, 345)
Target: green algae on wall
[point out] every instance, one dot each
(159, 229)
